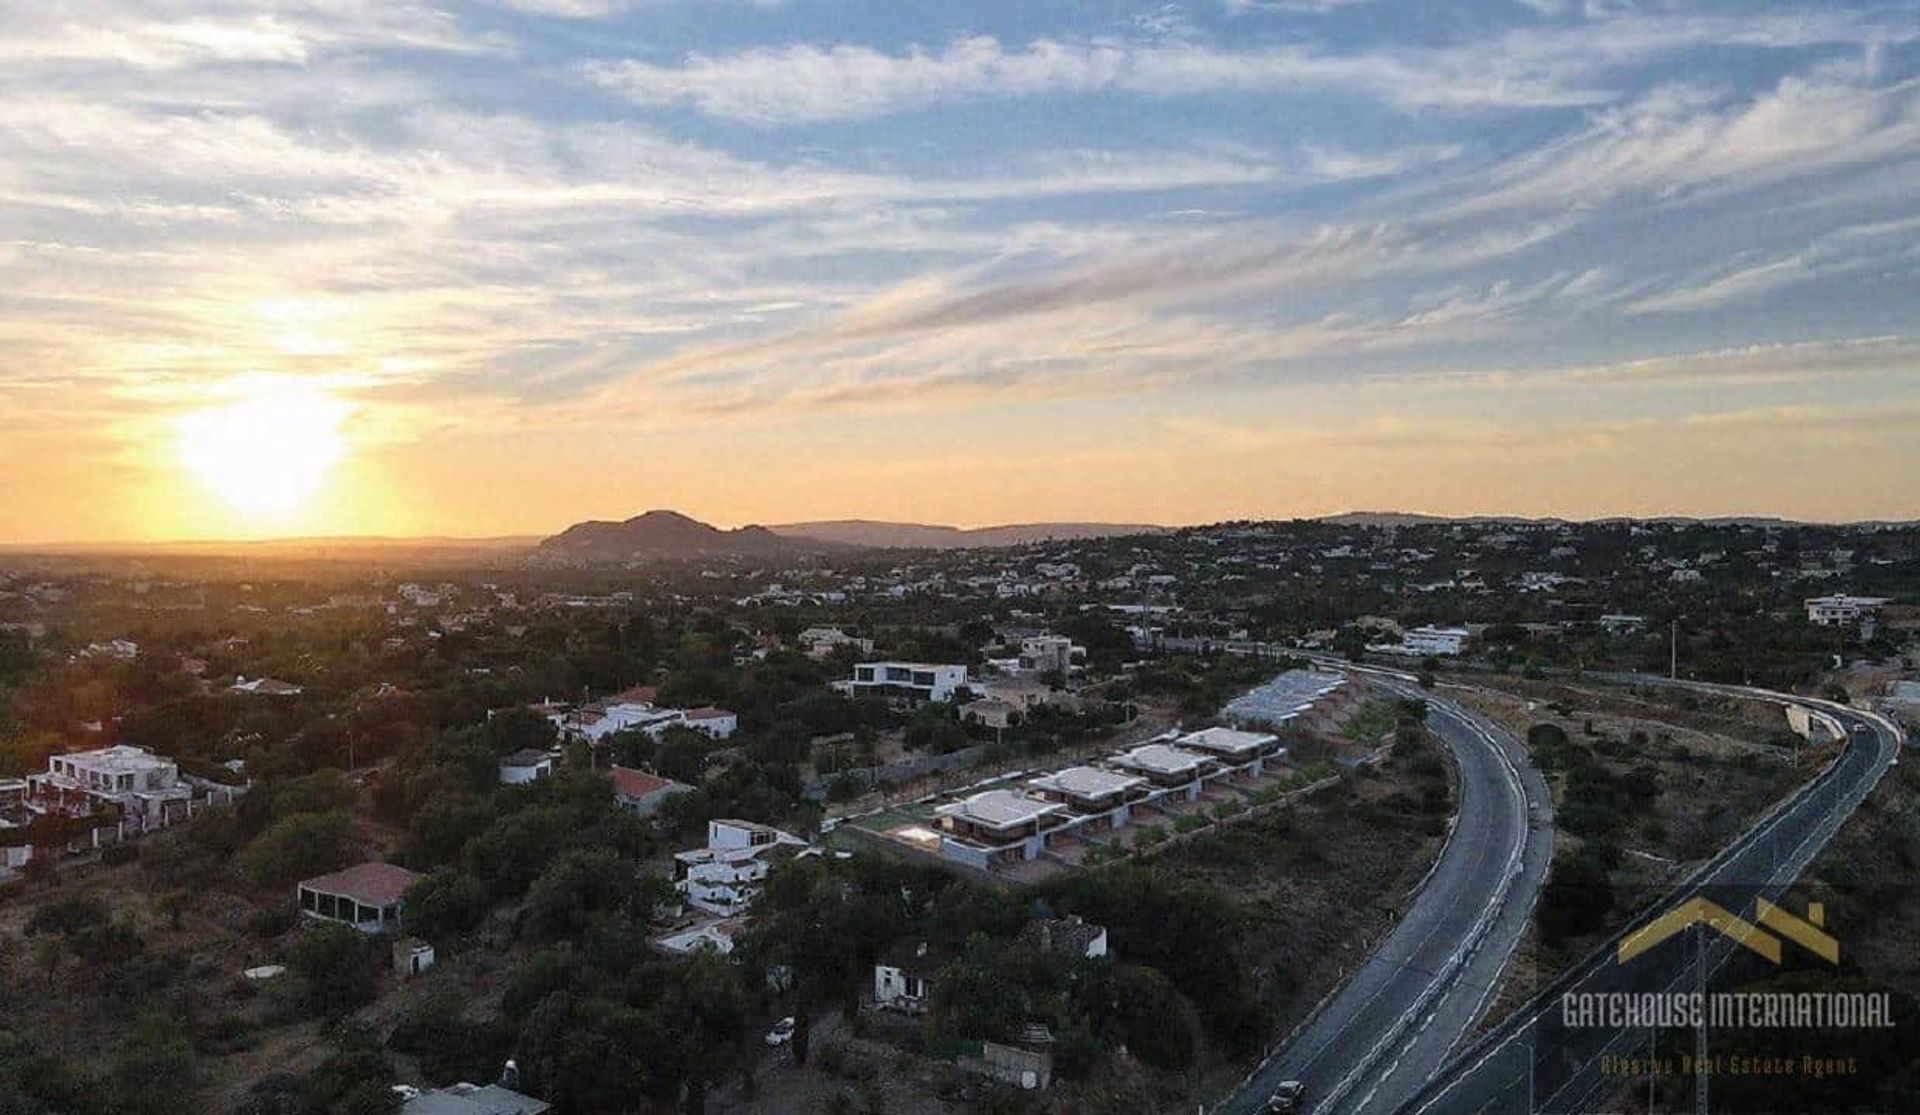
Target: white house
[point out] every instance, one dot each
(1245, 750)
(715, 722)
(716, 936)
(1003, 824)
(725, 876)
(1105, 795)
(821, 642)
(528, 765)
(264, 687)
(1049, 653)
(920, 681)
(1424, 641)
(1167, 767)
(1841, 610)
(142, 784)
(365, 896)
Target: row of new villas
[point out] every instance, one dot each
(1003, 826)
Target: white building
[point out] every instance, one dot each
(718, 723)
(1842, 610)
(716, 936)
(725, 876)
(1167, 767)
(920, 681)
(1000, 824)
(1050, 654)
(143, 785)
(821, 642)
(1424, 641)
(264, 687)
(1242, 750)
(526, 766)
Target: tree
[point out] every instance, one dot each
(444, 906)
(296, 847)
(153, 1072)
(978, 996)
(584, 887)
(335, 966)
(682, 754)
(1576, 897)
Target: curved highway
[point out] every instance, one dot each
(1392, 1025)
(1530, 1063)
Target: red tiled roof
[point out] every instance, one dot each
(643, 694)
(370, 884)
(635, 784)
(707, 713)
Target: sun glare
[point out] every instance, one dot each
(266, 454)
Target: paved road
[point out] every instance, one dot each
(1398, 1018)
(1531, 1063)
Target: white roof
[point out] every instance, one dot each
(120, 758)
(1086, 782)
(1161, 759)
(1227, 740)
(999, 808)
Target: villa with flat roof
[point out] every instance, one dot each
(1168, 767)
(1243, 751)
(998, 825)
(142, 784)
(1091, 791)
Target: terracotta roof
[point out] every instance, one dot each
(639, 694)
(708, 713)
(370, 884)
(630, 783)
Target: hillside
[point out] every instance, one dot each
(885, 535)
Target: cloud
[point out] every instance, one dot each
(805, 83)
(1677, 139)
(1567, 65)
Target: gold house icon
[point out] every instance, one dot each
(1806, 932)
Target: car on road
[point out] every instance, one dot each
(782, 1032)
(1288, 1099)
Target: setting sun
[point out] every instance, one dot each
(267, 453)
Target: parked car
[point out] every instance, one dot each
(782, 1032)
(1287, 1099)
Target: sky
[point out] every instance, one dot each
(484, 267)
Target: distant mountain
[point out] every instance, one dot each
(663, 535)
(921, 536)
